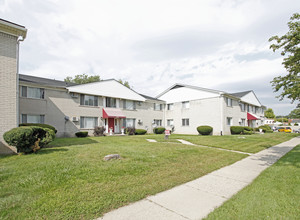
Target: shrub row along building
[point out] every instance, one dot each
(71, 108)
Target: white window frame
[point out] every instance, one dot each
(229, 102)
(129, 105)
(157, 107)
(186, 104)
(25, 117)
(112, 102)
(185, 122)
(170, 106)
(158, 122)
(229, 121)
(170, 122)
(25, 92)
(83, 123)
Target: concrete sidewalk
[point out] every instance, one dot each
(196, 199)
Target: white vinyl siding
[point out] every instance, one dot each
(88, 122)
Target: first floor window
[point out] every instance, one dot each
(88, 122)
(158, 122)
(243, 122)
(129, 122)
(170, 122)
(185, 122)
(229, 121)
(26, 118)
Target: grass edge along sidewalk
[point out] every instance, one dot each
(275, 194)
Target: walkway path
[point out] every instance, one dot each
(196, 199)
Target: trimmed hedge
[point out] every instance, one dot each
(241, 130)
(140, 131)
(28, 139)
(204, 130)
(265, 128)
(39, 125)
(81, 134)
(159, 130)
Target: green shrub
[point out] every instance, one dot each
(256, 129)
(269, 131)
(247, 132)
(39, 125)
(140, 131)
(265, 128)
(296, 124)
(130, 130)
(237, 129)
(204, 130)
(247, 128)
(28, 139)
(81, 134)
(159, 130)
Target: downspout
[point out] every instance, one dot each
(17, 83)
(222, 114)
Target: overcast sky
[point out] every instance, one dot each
(217, 44)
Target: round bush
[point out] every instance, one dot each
(205, 130)
(81, 134)
(265, 128)
(140, 131)
(39, 125)
(159, 130)
(237, 129)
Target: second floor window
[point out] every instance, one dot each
(89, 100)
(157, 106)
(111, 102)
(32, 92)
(129, 105)
(170, 106)
(242, 105)
(186, 104)
(229, 102)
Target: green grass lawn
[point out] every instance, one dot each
(275, 194)
(70, 180)
(245, 143)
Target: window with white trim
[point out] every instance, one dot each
(157, 107)
(158, 122)
(170, 122)
(88, 100)
(27, 118)
(186, 104)
(242, 106)
(243, 122)
(185, 122)
(32, 92)
(129, 105)
(228, 102)
(229, 121)
(110, 102)
(170, 106)
(88, 122)
(129, 122)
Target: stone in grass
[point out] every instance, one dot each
(112, 156)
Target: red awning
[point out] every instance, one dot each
(251, 116)
(112, 113)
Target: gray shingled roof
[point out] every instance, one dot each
(44, 81)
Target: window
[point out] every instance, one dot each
(88, 122)
(242, 105)
(186, 104)
(243, 120)
(229, 121)
(129, 104)
(129, 122)
(157, 107)
(170, 106)
(33, 119)
(88, 100)
(170, 122)
(31, 92)
(185, 122)
(111, 102)
(158, 122)
(257, 110)
(228, 102)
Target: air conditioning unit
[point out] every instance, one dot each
(74, 95)
(75, 119)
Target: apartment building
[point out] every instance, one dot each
(71, 108)
(188, 107)
(10, 36)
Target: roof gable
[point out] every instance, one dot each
(107, 88)
(251, 98)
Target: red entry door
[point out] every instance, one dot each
(111, 124)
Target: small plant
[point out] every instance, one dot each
(39, 125)
(81, 134)
(159, 130)
(265, 128)
(247, 128)
(130, 130)
(296, 124)
(140, 131)
(247, 132)
(204, 130)
(99, 131)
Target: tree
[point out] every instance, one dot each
(82, 79)
(289, 43)
(295, 113)
(269, 113)
(125, 83)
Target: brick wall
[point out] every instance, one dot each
(8, 86)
